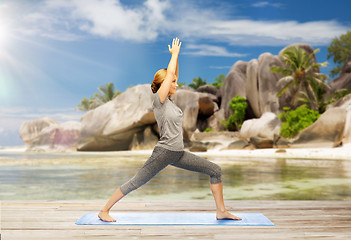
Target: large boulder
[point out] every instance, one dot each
(145, 139)
(343, 81)
(112, 126)
(188, 102)
(30, 130)
(128, 122)
(267, 84)
(234, 84)
(327, 131)
(345, 103)
(60, 137)
(252, 87)
(208, 89)
(264, 127)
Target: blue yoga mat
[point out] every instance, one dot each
(174, 218)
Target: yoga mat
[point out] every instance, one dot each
(174, 218)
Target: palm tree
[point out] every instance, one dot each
(107, 93)
(301, 76)
(88, 104)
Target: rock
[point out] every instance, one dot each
(280, 151)
(214, 122)
(30, 130)
(112, 126)
(239, 144)
(266, 126)
(345, 103)
(280, 142)
(120, 123)
(267, 84)
(343, 81)
(327, 131)
(188, 102)
(215, 139)
(347, 66)
(234, 84)
(198, 147)
(261, 142)
(66, 135)
(58, 137)
(146, 139)
(252, 87)
(208, 89)
(207, 106)
(347, 130)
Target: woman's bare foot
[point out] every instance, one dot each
(226, 215)
(105, 216)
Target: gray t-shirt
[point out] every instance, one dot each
(169, 119)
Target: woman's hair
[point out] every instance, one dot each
(158, 79)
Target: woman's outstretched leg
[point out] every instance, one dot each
(104, 214)
(222, 213)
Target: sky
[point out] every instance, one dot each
(55, 52)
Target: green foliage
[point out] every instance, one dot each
(337, 96)
(238, 105)
(208, 130)
(181, 84)
(339, 50)
(107, 93)
(293, 121)
(219, 81)
(301, 77)
(197, 82)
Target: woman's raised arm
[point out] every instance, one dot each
(172, 70)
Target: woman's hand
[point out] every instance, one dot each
(175, 46)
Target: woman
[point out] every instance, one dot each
(170, 149)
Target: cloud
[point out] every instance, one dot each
(72, 20)
(220, 67)
(265, 4)
(209, 50)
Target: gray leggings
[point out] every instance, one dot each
(161, 158)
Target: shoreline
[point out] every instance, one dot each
(339, 153)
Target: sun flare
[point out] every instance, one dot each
(4, 35)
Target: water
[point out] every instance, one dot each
(90, 176)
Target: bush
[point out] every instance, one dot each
(238, 105)
(208, 130)
(293, 121)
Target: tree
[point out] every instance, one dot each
(238, 105)
(219, 81)
(339, 50)
(107, 93)
(197, 82)
(181, 84)
(293, 121)
(301, 76)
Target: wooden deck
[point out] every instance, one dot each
(293, 220)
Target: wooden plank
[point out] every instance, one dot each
(293, 219)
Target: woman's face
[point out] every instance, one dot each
(174, 86)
